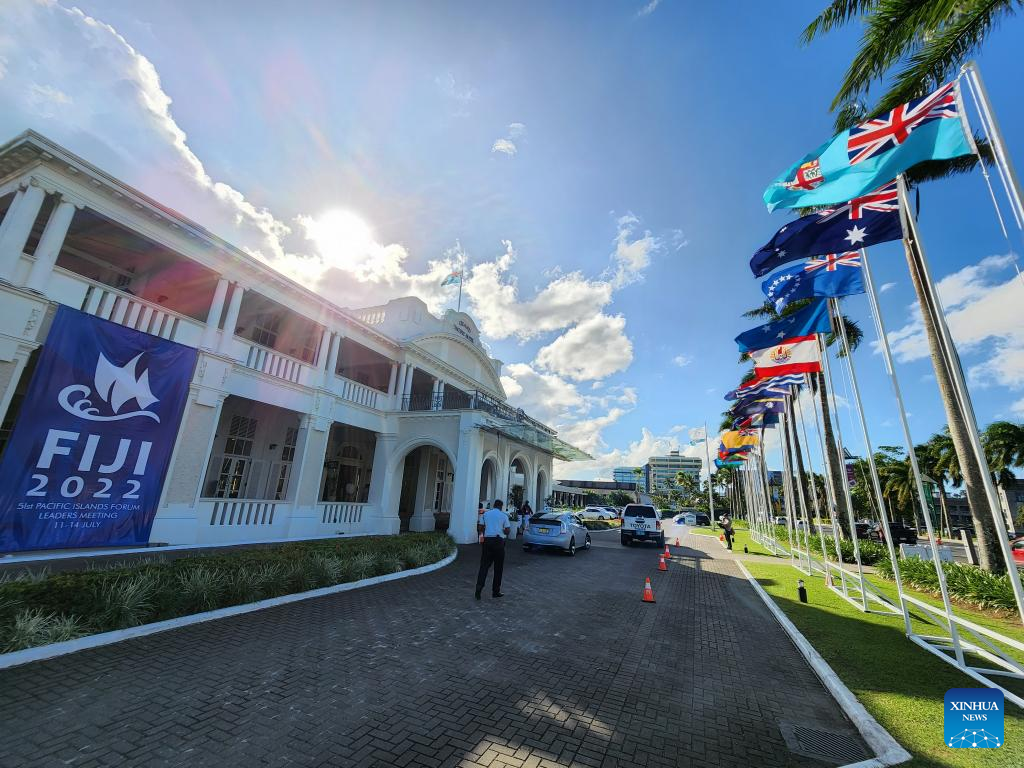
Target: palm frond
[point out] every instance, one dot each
(765, 310)
(838, 13)
(944, 51)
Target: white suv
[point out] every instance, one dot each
(641, 522)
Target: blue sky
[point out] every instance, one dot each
(599, 170)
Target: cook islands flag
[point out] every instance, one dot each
(875, 152)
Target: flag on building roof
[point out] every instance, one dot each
(875, 152)
(799, 354)
(834, 274)
(863, 221)
(454, 278)
(810, 319)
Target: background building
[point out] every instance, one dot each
(627, 474)
(659, 470)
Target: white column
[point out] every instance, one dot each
(322, 354)
(393, 379)
(332, 357)
(22, 216)
(5, 222)
(50, 244)
(434, 387)
(440, 395)
(213, 316)
(466, 488)
(409, 371)
(231, 321)
(400, 386)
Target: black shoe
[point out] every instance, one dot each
(477, 594)
(498, 594)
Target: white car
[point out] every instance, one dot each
(641, 522)
(597, 513)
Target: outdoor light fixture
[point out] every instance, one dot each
(801, 590)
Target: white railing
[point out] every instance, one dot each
(371, 318)
(133, 312)
(240, 512)
(335, 512)
(273, 363)
(355, 392)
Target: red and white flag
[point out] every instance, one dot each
(799, 354)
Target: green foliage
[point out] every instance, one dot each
(871, 552)
(620, 498)
(43, 608)
(601, 525)
(966, 583)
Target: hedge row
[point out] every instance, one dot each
(966, 583)
(601, 525)
(871, 552)
(36, 609)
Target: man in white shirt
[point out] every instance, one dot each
(495, 527)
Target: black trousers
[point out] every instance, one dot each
(728, 539)
(492, 552)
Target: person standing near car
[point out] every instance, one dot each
(726, 523)
(495, 528)
(524, 515)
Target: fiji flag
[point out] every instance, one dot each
(868, 220)
(453, 279)
(810, 319)
(876, 152)
(831, 275)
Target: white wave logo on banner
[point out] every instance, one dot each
(115, 387)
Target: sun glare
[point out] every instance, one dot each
(341, 237)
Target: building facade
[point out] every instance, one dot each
(661, 471)
(627, 474)
(303, 418)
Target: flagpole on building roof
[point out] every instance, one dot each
(951, 361)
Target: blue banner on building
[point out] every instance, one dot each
(85, 464)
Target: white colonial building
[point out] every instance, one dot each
(304, 419)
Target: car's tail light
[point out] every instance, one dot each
(657, 525)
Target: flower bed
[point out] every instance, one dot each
(40, 609)
(966, 583)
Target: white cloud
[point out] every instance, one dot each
(632, 255)
(1017, 408)
(447, 84)
(677, 429)
(507, 145)
(648, 9)
(682, 360)
(594, 348)
(886, 287)
(985, 313)
(502, 312)
(46, 101)
(504, 146)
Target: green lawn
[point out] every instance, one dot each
(740, 538)
(900, 684)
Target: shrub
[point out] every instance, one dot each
(966, 583)
(42, 608)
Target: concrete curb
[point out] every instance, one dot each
(887, 750)
(54, 650)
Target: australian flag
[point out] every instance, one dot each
(833, 274)
(868, 220)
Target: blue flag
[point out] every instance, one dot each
(767, 405)
(864, 221)
(875, 152)
(776, 384)
(811, 319)
(830, 275)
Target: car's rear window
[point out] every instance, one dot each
(544, 519)
(640, 512)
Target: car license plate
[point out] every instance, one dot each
(544, 530)
(640, 532)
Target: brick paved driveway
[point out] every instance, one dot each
(570, 668)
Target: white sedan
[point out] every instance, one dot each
(597, 513)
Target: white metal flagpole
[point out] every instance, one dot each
(711, 493)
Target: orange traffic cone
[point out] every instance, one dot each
(667, 552)
(721, 537)
(661, 564)
(938, 540)
(648, 592)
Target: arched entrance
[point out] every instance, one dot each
(519, 475)
(541, 489)
(488, 481)
(425, 500)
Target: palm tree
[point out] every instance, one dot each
(935, 458)
(835, 467)
(931, 39)
(1004, 448)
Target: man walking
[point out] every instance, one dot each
(495, 527)
(726, 522)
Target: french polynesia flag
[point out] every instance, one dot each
(799, 354)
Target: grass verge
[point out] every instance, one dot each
(901, 685)
(741, 538)
(38, 609)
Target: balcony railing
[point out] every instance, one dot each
(355, 392)
(273, 363)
